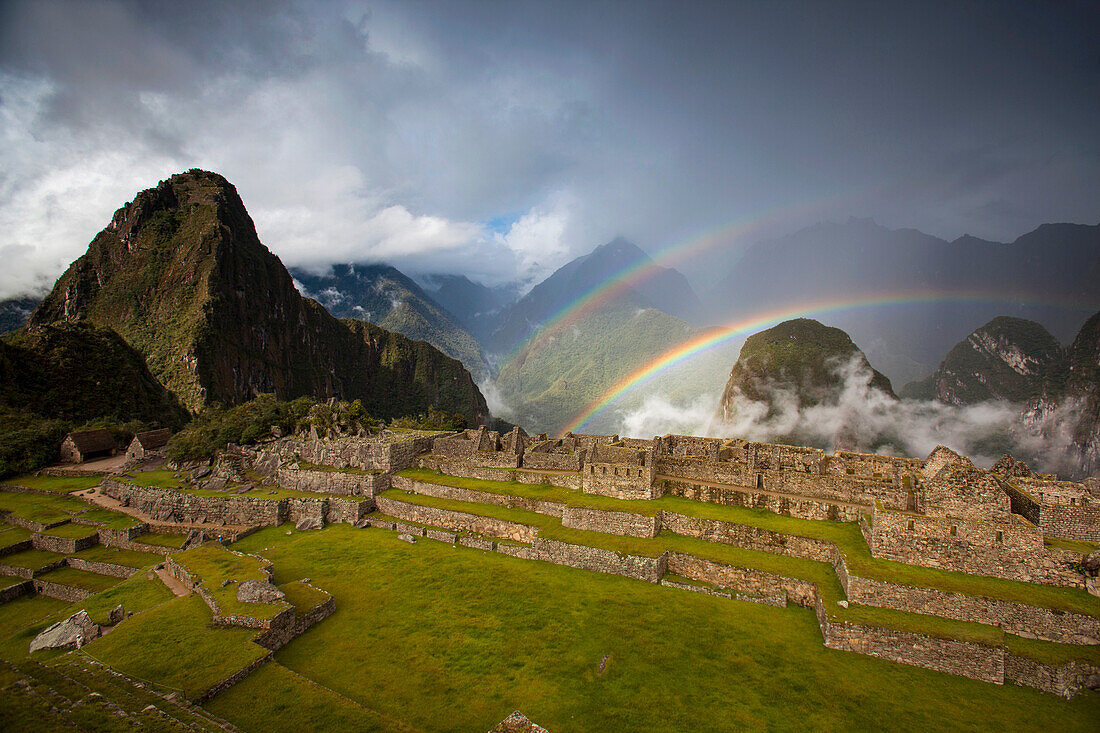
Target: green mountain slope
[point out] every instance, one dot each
(554, 378)
(384, 296)
(801, 357)
(1007, 358)
(180, 274)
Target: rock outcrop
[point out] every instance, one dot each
(259, 591)
(72, 633)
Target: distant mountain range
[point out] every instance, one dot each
(384, 296)
(916, 295)
(15, 312)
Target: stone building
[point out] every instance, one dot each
(143, 444)
(87, 444)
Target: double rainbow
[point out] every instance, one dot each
(722, 334)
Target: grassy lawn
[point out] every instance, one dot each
(174, 646)
(81, 579)
(7, 581)
(159, 479)
(528, 635)
(163, 479)
(72, 531)
(11, 535)
(213, 564)
(118, 556)
(274, 698)
(107, 518)
(304, 598)
(56, 484)
(846, 535)
(24, 611)
(162, 539)
(33, 559)
(1080, 546)
(39, 508)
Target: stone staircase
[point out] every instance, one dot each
(77, 692)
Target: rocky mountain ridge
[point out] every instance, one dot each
(182, 276)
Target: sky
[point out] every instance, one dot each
(501, 139)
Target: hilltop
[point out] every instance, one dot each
(182, 276)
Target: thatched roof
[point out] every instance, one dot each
(153, 439)
(92, 441)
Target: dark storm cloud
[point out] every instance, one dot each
(401, 130)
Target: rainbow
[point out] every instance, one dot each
(715, 336)
(614, 285)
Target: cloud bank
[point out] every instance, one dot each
(861, 418)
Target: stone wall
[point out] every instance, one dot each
(464, 469)
(176, 506)
(63, 545)
(16, 547)
(961, 658)
(788, 505)
(1015, 618)
(61, 592)
(333, 482)
(456, 520)
(16, 590)
(480, 497)
(1065, 680)
(389, 454)
(619, 480)
(649, 569)
(298, 510)
(747, 581)
(536, 459)
(1022, 503)
(610, 522)
(564, 480)
(495, 459)
(1004, 550)
(280, 635)
(102, 568)
(752, 538)
(1071, 522)
(17, 571)
(232, 679)
(965, 492)
(347, 511)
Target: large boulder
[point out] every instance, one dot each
(308, 523)
(72, 633)
(259, 591)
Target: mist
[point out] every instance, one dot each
(859, 417)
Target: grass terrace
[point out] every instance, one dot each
(161, 539)
(81, 579)
(846, 535)
(174, 646)
(55, 484)
(40, 508)
(12, 535)
(71, 531)
(303, 597)
(31, 559)
(530, 636)
(107, 519)
(1079, 546)
(212, 565)
(119, 556)
(7, 581)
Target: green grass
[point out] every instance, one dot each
(24, 611)
(1053, 654)
(274, 698)
(528, 635)
(846, 535)
(40, 508)
(8, 581)
(109, 519)
(72, 531)
(213, 565)
(118, 556)
(159, 479)
(1079, 546)
(820, 574)
(303, 597)
(12, 535)
(175, 646)
(164, 479)
(81, 579)
(162, 539)
(56, 484)
(32, 559)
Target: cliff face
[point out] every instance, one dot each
(801, 357)
(181, 275)
(1006, 359)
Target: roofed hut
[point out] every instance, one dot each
(145, 443)
(87, 444)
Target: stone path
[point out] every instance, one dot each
(173, 584)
